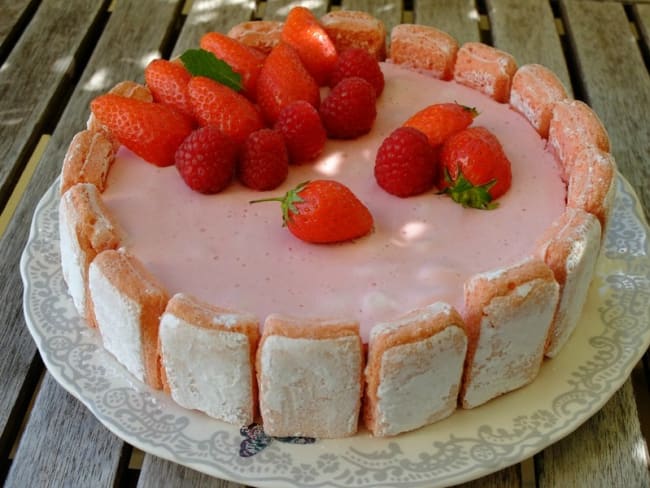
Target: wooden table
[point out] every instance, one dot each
(58, 54)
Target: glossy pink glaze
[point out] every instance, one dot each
(236, 255)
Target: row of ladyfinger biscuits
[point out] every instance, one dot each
(312, 374)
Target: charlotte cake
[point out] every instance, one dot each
(310, 370)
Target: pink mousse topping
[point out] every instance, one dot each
(221, 249)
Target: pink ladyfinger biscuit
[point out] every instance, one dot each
(262, 35)
(355, 29)
(207, 359)
(592, 183)
(127, 304)
(570, 248)
(309, 374)
(86, 228)
(508, 314)
(534, 90)
(128, 89)
(573, 126)
(88, 159)
(486, 69)
(424, 48)
(414, 370)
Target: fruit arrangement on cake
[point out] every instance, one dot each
(296, 223)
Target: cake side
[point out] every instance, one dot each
(414, 370)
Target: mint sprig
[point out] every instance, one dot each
(200, 62)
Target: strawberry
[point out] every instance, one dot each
(216, 104)
(242, 59)
(406, 163)
(206, 160)
(441, 120)
(306, 35)
(324, 211)
(349, 110)
(167, 81)
(264, 162)
(358, 62)
(283, 80)
(475, 168)
(151, 130)
(303, 131)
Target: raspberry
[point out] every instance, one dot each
(358, 62)
(206, 160)
(264, 163)
(406, 164)
(303, 131)
(349, 110)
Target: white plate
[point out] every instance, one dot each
(613, 334)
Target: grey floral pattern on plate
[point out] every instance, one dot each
(612, 336)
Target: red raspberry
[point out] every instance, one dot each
(358, 62)
(264, 163)
(349, 110)
(406, 164)
(206, 160)
(303, 131)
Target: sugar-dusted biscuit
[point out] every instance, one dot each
(207, 359)
(592, 183)
(414, 370)
(534, 90)
(424, 48)
(128, 89)
(355, 29)
(310, 376)
(88, 159)
(508, 314)
(570, 248)
(262, 35)
(573, 126)
(86, 228)
(486, 69)
(127, 304)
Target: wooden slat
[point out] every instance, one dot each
(388, 11)
(91, 456)
(126, 41)
(608, 450)
(278, 9)
(505, 478)
(615, 83)
(210, 16)
(24, 109)
(14, 16)
(642, 16)
(526, 29)
(157, 472)
(460, 18)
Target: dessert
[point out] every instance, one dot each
(434, 289)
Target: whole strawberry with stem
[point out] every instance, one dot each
(323, 212)
(475, 169)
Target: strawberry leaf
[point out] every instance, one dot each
(467, 194)
(200, 62)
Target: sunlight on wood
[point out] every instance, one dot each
(12, 203)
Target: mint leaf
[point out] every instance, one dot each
(200, 62)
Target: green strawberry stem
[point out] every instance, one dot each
(288, 201)
(472, 110)
(467, 194)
